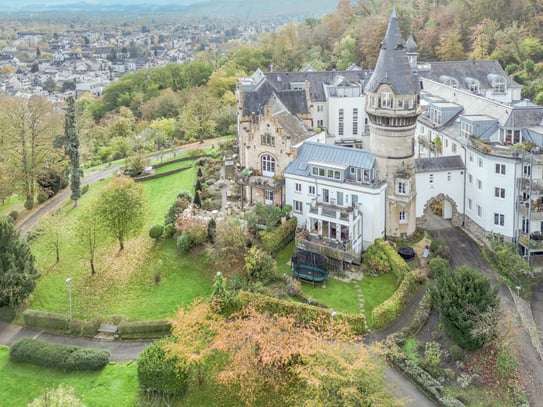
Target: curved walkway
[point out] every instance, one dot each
(120, 350)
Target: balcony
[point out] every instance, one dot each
(332, 211)
(339, 250)
(534, 241)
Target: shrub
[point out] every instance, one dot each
(303, 313)
(161, 373)
(47, 321)
(456, 353)
(14, 215)
(259, 266)
(375, 260)
(85, 189)
(84, 328)
(383, 258)
(29, 203)
(439, 266)
(183, 243)
(144, 329)
(156, 231)
(42, 197)
(389, 310)
(439, 249)
(63, 357)
(279, 237)
(197, 231)
(211, 228)
(506, 364)
(169, 230)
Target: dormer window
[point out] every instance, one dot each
(449, 81)
(386, 100)
(473, 86)
(498, 85)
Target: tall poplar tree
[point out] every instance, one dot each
(70, 142)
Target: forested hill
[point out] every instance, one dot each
(510, 31)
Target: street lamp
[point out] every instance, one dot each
(518, 287)
(69, 282)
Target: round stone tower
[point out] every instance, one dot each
(392, 106)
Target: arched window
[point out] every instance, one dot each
(498, 85)
(268, 166)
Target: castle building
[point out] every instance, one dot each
(452, 135)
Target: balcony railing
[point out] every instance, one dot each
(340, 250)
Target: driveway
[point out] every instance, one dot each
(464, 251)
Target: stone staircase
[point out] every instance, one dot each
(107, 332)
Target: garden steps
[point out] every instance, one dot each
(360, 296)
(107, 332)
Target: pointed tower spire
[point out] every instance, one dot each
(393, 65)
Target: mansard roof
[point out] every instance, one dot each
(393, 65)
(448, 163)
(289, 87)
(466, 71)
(328, 154)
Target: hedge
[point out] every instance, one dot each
(278, 238)
(424, 381)
(382, 257)
(80, 327)
(158, 373)
(389, 310)
(63, 357)
(144, 329)
(303, 313)
(47, 321)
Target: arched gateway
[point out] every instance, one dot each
(442, 205)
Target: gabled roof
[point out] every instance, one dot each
(393, 65)
(410, 44)
(448, 163)
(328, 154)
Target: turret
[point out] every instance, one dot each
(392, 105)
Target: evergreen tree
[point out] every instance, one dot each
(197, 200)
(198, 186)
(465, 300)
(70, 142)
(17, 270)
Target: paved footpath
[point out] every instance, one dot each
(120, 350)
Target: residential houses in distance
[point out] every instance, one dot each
(86, 59)
(373, 152)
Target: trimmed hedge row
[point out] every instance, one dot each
(64, 357)
(304, 313)
(144, 329)
(430, 386)
(389, 310)
(398, 266)
(278, 238)
(47, 321)
(160, 374)
(60, 323)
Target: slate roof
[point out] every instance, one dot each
(263, 85)
(410, 44)
(448, 163)
(328, 154)
(524, 116)
(464, 71)
(291, 125)
(393, 65)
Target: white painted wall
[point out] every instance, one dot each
(431, 184)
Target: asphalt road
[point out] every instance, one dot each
(28, 222)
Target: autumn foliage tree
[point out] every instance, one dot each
(122, 208)
(273, 360)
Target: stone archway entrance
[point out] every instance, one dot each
(443, 206)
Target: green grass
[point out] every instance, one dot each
(115, 385)
(411, 349)
(125, 282)
(338, 295)
(283, 257)
(173, 166)
(376, 290)
(11, 204)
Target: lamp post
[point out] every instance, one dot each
(69, 282)
(518, 287)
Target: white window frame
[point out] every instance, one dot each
(403, 217)
(499, 219)
(479, 211)
(500, 169)
(298, 206)
(479, 185)
(268, 165)
(298, 187)
(311, 190)
(499, 192)
(386, 100)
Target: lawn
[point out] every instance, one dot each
(283, 259)
(115, 385)
(338, 295)
(376, 290)
(173, 166)
(144, 281)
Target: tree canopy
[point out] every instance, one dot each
(465, 300)
(17, 269)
